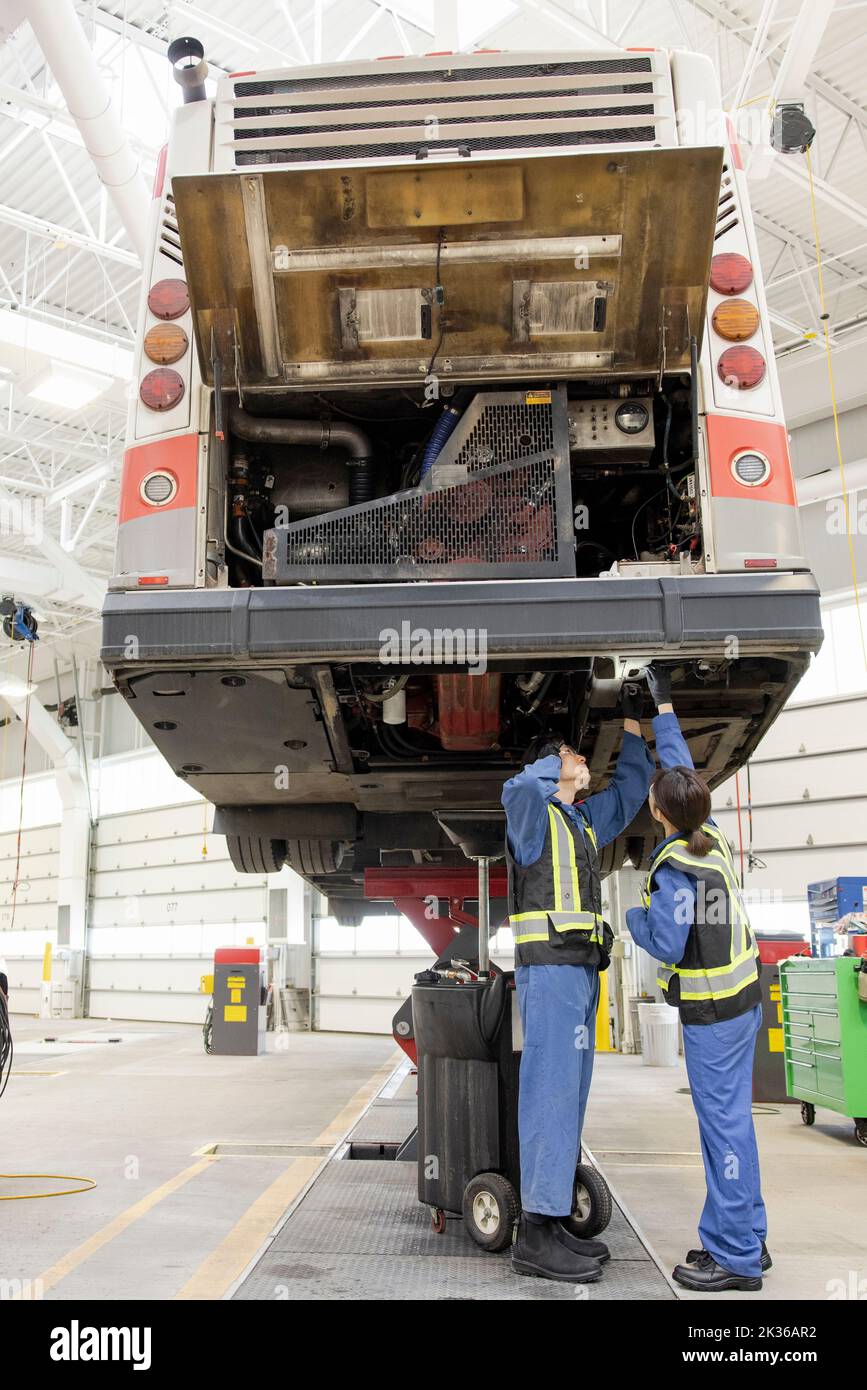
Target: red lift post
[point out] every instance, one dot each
(417, 890)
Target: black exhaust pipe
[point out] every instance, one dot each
(187, 57)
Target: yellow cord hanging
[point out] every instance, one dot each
(37, 1196)
(825, 324)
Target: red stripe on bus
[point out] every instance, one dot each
(728, 435)
(178, 455)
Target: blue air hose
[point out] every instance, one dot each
(439, 434)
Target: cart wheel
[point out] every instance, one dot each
(591, 1203)
(437, 1220)
(490, 1210)
(808, 1112)
(861, 1131)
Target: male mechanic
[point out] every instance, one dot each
(561, 943)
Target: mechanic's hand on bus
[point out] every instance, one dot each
(631, 701)
(658, 683)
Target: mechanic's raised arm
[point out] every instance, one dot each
(525, 799)
(610, 811)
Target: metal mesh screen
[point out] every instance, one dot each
(501, 519)
(492, 430)
(626, 73)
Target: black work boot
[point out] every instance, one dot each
(694, 1257)
(538, 1251)
(590, 1249)
(706, 1276)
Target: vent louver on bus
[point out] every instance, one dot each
(496, 504)
(170, 237)
(727, 213)
(473, 105)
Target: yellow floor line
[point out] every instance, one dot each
(228, 1261)
(89, 1247)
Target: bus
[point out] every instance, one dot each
(455, 404)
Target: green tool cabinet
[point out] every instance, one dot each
(825, 1036)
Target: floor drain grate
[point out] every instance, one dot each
(268, 1150)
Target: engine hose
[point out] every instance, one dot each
(6, 1046)
(360, 481)
(438, 436)
(239, 543)
(665, 464)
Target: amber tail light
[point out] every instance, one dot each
(735, 319)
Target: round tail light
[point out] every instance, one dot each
(751, 469)
(741, 368)
(730, 273)
(165, 343)
(168, 299)
(735, 319)
(161, 389)
(158, 488)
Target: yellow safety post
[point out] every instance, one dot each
(603, 1023)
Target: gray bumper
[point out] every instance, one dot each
(693, 615)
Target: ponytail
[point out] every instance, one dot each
(699, 843)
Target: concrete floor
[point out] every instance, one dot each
(167, 1220)
(642, 1132)
(132, 1115)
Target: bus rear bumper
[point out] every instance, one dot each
(700, 615)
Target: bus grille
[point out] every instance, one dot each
(391, 112)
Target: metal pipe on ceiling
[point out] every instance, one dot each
(71, 59)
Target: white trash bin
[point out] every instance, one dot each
(659, 1038)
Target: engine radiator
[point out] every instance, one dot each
(496, 504)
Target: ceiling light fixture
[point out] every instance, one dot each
(64, 385)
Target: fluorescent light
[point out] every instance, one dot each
(13, 688)
(61, 384)
(33, 336)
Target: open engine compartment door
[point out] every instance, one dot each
(561, 266)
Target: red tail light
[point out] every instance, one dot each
(168, 299)
(730, 273)
(741, 367)
(162, 389)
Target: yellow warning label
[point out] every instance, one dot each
(537, 398)
(775, 1040)
(235, 1013)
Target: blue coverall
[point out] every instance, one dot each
(719, 1063)
(558, 1002)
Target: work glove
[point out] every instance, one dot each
(631, 700)
(658, 683)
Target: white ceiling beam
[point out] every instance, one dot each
(35, 582)
(52, 231)
(753, 59)
(796, 64)
(79, 587)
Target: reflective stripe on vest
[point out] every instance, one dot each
(567, 914)
(712, 982)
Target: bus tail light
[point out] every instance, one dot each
(735, 319)
(162, 388)
(159, 488)
(168, 299)
(165, 343)
(730, 273)
(750, 468)
(741, 368)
